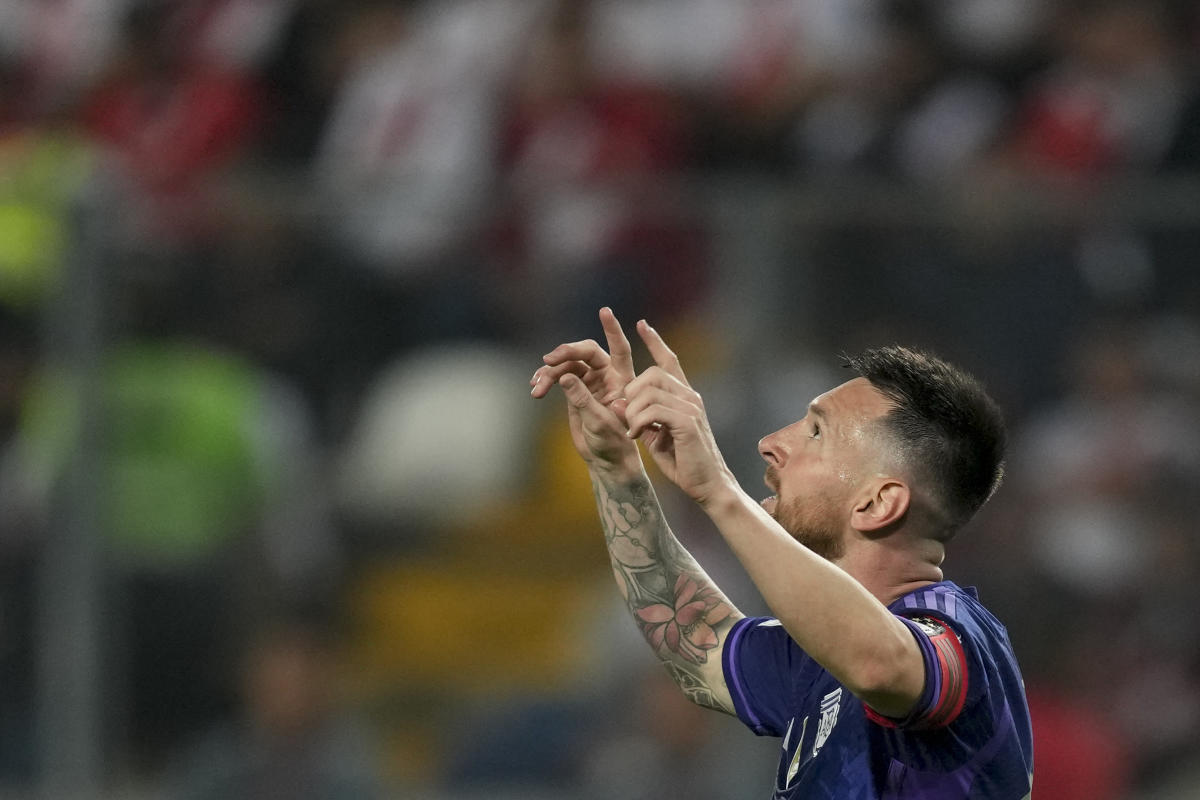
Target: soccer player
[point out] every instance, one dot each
(882, 679)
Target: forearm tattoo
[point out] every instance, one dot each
(680, 611)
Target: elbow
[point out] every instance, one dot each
(888, 675)
(878, 678)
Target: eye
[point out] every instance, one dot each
(816, 431)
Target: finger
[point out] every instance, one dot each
(677, 396)
(663, 356)
(657, 379)
(619, 349)
(588, 351)
(619, 407)
(580, 397)
(654, 410)
(657, 417)
(544, 378)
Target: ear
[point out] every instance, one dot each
(883, 505)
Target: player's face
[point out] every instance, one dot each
(815, 465)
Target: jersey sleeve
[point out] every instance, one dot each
(764, 669)
(947, 676)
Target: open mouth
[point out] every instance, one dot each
(771, 479)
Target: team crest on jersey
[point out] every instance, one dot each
(830, 704)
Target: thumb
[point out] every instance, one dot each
(578, 395)
(619, 407)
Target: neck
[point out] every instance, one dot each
(892, 567)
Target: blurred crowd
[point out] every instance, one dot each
(325, 242)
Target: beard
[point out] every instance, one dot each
(809, 524)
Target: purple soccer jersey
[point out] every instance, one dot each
(968, 737)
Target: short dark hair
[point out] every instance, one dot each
(947, 426)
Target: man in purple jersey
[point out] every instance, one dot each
(882, 679)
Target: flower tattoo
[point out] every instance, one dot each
(680, 612)
(687, 627)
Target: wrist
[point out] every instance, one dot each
(723, 498)
(624, 470)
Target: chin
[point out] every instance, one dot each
(813, 531)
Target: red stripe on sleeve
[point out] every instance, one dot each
(952, 662)
(877, 718)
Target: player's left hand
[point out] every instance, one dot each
(668, 416)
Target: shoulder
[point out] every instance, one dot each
(956, 624)
(945, 603)
(983, 695)
(947, 613)
(944, 596)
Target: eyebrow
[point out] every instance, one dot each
(816, 410)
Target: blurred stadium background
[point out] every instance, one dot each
(277, 518)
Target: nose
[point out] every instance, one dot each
(770, 447)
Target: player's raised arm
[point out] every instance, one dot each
(680, 611)
(832, 616)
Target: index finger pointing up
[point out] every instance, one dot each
(618, 345)
(663, 356)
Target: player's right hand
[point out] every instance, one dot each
(598, 433)
(604, 373)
